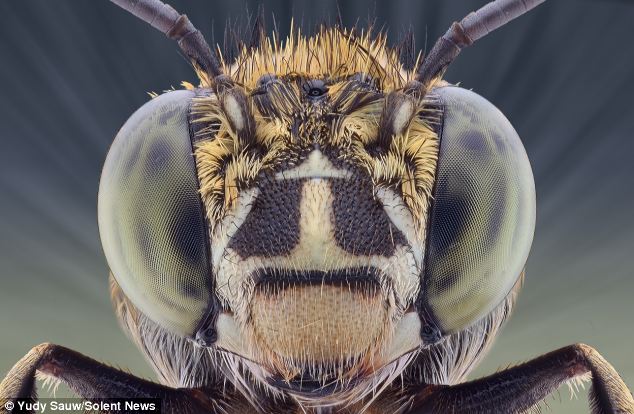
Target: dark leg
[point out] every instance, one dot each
(519, 388)
(93, 380)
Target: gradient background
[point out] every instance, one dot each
(72, 72)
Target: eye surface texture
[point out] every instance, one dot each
(150, 216)
(483, 214)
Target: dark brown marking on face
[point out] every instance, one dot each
(362, 226)
(272, 226)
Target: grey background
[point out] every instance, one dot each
(73, 71)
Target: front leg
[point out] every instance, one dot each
(93, 380)
(517, 389)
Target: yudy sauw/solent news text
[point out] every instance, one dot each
(76, 405)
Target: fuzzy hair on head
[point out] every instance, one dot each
(350, 122)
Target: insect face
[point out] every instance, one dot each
(310, 217)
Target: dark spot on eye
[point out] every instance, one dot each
(191, 289)
(497, 209)
(315, 88)
(159, 156)
(476, 144)
(145, 248)
(452, 215)
(187, 232)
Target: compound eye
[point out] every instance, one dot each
(483, 214)
(151, 219)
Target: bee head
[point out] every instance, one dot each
(311, 215)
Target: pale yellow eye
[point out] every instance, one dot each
(483, 212)
(151, 218)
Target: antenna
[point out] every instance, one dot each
(177, 27)
(474, 26)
